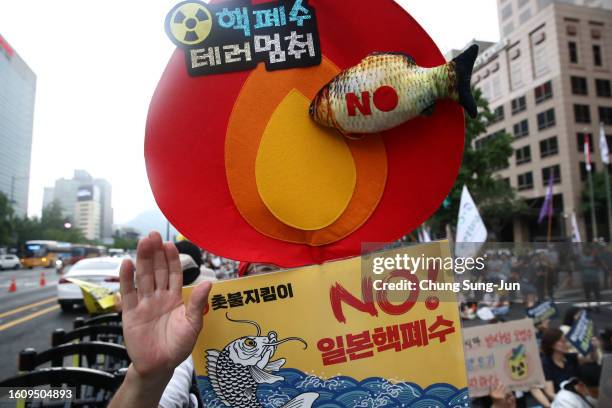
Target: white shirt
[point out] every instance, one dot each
(176, 394)
(568, 399)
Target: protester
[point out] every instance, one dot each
(160, 331)
(589, 268)
(580, 391)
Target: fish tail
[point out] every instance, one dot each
(464, 64)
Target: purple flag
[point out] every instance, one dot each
(547, 207)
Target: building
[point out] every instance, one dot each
(548, 83)
(513, 14)
(66, 192)
(88, 211)
(17, 94)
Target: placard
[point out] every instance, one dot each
(321, 336)
(581, 333)
(502, 352)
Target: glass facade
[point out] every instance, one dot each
(17, 94)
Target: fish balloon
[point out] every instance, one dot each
(387, 89)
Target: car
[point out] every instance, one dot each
(9, 262)
(102, 271)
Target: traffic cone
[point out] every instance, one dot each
(43, 281)
(13, 287)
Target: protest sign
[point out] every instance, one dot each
(542, 311)
(503, 352)
(322, 333)
(581, 333)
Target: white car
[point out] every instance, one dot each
(99, 271)
(9, 262)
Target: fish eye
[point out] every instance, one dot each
(249, 343)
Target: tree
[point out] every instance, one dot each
(496, 199)
(6, 221)
(52, 224)
(600, 201)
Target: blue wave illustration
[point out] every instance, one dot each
(346, 392)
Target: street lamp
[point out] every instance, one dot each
(67, 225)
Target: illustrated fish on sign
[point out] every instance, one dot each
(387, 89)
(237, 370)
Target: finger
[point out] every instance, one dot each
(197, 301)
(145, 280)
(160, 265)
(174, 264)
(126, 284)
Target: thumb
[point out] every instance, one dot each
(197, 301)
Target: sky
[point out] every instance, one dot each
(98, 63)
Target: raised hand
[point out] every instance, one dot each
(159, 330)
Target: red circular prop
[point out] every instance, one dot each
(188, 120)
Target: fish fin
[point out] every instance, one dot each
(248, 392)
(275, 365)
(408, 57)
(464, 65)
(429, 111)
(211, 367)
(353, 136)
(260, 376)
(302, 401)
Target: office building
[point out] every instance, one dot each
(66, 192)
(548, 83)
(17, 93)
(88, 211)
(513, 14)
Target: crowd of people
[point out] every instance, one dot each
(572, 379)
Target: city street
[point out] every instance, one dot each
(29, 315)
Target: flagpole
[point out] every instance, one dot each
(593, 218)
(605, 159)
(549, 236)
(607, 174)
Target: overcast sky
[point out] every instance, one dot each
(98, 63)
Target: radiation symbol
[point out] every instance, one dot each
(189, 23)
(517, 362)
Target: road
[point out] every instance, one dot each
(29, 315)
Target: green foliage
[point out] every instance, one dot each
(496, 199)
(6, 220)
(125, 242)
(49, 227)
(599, 194)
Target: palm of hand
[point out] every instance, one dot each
(159, 330)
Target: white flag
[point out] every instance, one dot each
(603, 146)
(575, 231)
(470, 227)
(424, 236)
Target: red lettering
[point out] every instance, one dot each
(396, 310)
(338, 295)
(353, 103)
(386, 99)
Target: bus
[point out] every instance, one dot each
(82, 251)
(45, 253)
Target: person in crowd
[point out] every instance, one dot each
(149, 314)
(606, 341)
(558, 362)
(605, 261)
(581, 391)
(589, 271)
(544, 277)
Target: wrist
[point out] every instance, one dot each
(147, 381)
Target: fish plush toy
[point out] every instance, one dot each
(387, 89)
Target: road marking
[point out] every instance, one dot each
(28, 317)
(22, 308)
